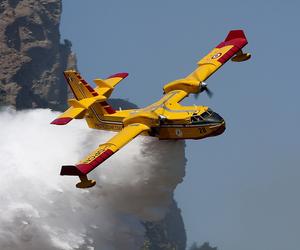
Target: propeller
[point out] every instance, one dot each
(203, 87)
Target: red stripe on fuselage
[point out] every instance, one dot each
(107, 108)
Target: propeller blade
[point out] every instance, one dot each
(209, 92)
(203, 87)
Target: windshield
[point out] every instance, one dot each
(197, 118)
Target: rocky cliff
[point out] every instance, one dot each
(32, 60)
(31, 56)
(168, 234)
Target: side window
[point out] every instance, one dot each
(196, 118)
(205, 115)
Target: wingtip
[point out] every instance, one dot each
(121, 75)
(61, 121)
(235, 34)
(70, 170)
(236, 38)
(74, 171)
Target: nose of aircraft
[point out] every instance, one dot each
(215, 118)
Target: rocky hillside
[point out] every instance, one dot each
(32, 60)
(168, 234)
(31, 56)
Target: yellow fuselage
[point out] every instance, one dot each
(167, 118)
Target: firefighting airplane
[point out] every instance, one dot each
(165, 119)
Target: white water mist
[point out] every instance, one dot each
(42, 210)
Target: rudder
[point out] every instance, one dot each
(80, 88)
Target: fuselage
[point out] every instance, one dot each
(171, 121)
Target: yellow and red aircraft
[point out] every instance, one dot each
(165, 119)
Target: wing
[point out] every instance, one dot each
(104, 151)
(209, 64)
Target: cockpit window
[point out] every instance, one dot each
(196, 118)
(205, 114)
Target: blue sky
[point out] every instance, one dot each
(241, 189)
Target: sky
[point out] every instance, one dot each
(241, 188)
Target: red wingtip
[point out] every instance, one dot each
(234, 34)
(236, 38)
(85, 168)
(61, 121)
(122, 75)
(70, 170)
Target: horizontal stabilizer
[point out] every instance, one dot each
(106, 86)
(116, 78)
(62, 121)
(70, 114)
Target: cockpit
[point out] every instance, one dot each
(197, 118)
(206, 117)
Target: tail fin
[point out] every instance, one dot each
(80, 88)
(88, 100)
